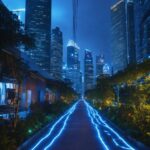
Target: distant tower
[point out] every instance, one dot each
(106, 70)
(56, 53)
(38, 25)
(123, 40)
(99, 65)
(73, 66)
(88, 70)
(72, 55)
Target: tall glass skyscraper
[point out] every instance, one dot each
(38, 25)
(73, 66)
(72, 55)
(123, 40)
(88, 70)
(56, 53)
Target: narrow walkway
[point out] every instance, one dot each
(79, 133)
(81, 128)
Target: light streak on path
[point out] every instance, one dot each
(80, 128)
(70, 111)
(114, 135)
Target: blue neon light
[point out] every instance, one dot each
(96, 127)
(96, 121)
(112, 130)
(100, 121)
(60, 132)
(53, 127)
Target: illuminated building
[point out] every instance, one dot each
(38, 25)
(106, 70)
(99, 65)
(72, 55)
(123, 40)
(88, 70)
(56, 54)
(73, 66)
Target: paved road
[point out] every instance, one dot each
(81, 128)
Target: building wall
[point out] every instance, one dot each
(33, 90)
(33, 85)
(142, 21)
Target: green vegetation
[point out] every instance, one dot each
(40, 116)
(125, 99)
(11, 31)
(67, 94)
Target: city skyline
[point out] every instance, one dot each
(99, 29)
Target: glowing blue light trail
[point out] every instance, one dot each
(112, 130)
(100, 121)
(96, 127)
(69, 112)
(60, 132)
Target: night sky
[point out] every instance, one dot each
(93, 23)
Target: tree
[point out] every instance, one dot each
(11, 33)
(66, 93)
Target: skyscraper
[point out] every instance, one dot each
(56, 53)
(73, 65)
(72, 55)
(38, 25)
(88, 70)
(99, 65)
(123, 42)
